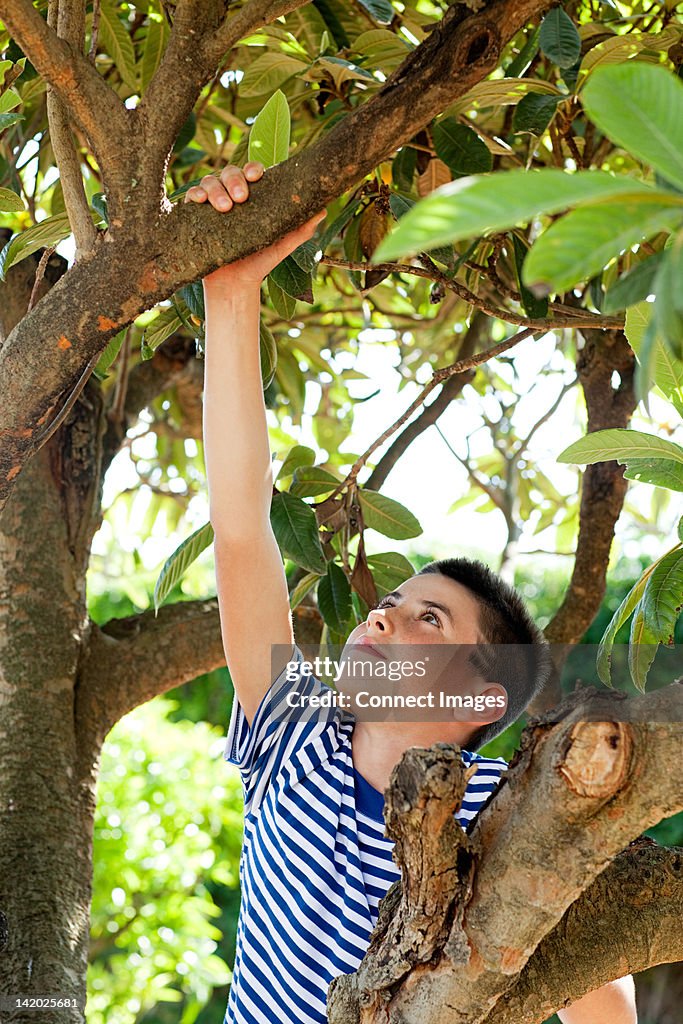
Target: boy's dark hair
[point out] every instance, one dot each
(504, 619)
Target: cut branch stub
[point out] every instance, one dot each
(437, 861)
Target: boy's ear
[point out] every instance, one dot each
(494, 708)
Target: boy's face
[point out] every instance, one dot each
(427, 609)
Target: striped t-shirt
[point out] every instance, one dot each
(315, 862)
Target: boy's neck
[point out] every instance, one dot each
(377, 747)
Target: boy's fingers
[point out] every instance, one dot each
(195, 194)
(253, 170)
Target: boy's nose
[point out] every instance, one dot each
(379, 622)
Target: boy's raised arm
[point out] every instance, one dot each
(251, 584)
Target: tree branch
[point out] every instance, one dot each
(603, 763)
(200, 38)
(69, 20)
(142, 264)
(131, 660)
(96, 108)
(604, 486)
(431, 413)
(627, 920)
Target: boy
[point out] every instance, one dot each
(315, 862)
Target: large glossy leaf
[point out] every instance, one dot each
(115, 38)
(472, 206)
(640, 106)
(269, 135)
(294, 281)
(625, 609)
(155, 44)
(299, 592)
(660, 472)
(622, 445)
(666, 370)
(268, 72)
(663, 597)
(298, 455)
(334, 598)
(389, 570)
(47, 232)
(388, 516)
(177, 564)
(578, 246)
(669, 303)
(460, 147)
(559, 39)
(296, 531)
(633, 286)
(642, 648)
(534, 113)
(10, 202)
(309, 481)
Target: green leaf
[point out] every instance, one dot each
(296, 531)
(622, 445)
(193, 297)
(460, 147)
(471, 206)
(403, 168)
(580, 244)
(633, 286)
(310, 481)
(115, 40)
(339, 223)
(668, 313)
(299, 455)
(305, 584)
(109, 355)
(177, 564)
(305, 255)
(10, 202)
(604, 656)
(48, 232)
(99, 204)
(381, 10)
(534, 112)
(642, 648)
(559, 39)
(296, 282)
(389, 569)
(269, 135)
(665, 369)
(268, 72)
(155, 44)
(663, 598)
(533, 307)
(387, 516)
(161, 328)
(640, 107)
(334, 598)
(283, 303)
(525, 56)
(267, 354)
(660, 472)
(680, 529)
(7, 120)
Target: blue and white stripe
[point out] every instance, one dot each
(315, 862)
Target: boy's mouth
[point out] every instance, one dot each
(371, 648)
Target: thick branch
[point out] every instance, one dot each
(604, 486)
(95, 107)
(608, 767)
(133, 272)
(627, 920)
(133, 659)
(201, 36)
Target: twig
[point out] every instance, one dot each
(580, 319)
(40, 271)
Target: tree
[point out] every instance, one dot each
(133, 102)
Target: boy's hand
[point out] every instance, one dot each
(230, 187)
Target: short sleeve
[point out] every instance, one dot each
(284, 728)
(481, 786)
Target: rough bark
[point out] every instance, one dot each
(602, 498)
(144, 257)
(597, 761)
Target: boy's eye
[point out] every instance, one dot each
(435, 617)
